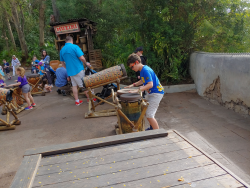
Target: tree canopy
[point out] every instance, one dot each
(168, 30)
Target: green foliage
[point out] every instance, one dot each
(169, 31)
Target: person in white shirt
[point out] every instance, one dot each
(15, 63)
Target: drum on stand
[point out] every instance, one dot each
(33, 79)
(131, 107)
(17, 100)
(104, 76)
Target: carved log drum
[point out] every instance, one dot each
(104, 76)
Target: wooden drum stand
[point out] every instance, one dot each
(92, 107)
(99, 79)
(16, 102)
(7, 125)
(124, 124)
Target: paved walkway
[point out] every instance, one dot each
(222, 133)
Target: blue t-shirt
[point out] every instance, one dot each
(61, 77)
(70, 54)
(6, 64)
(41, 69)
(148, 75)
(22, 80)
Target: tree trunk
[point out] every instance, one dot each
(19, 29)
(22, 20)
(55, 11)
(5, 38)
(41, 23)
(10, 31)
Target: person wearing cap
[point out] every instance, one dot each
(71, 55)
(15, 63)
(139, 52)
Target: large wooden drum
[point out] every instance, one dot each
(104, 76)
(3, 95)
(131, 107)
(17, 96)
(33, 79)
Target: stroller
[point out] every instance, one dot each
(106, 91)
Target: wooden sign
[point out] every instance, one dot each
(67, 28)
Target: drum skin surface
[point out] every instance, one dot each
(104, 76)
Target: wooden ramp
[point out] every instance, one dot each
(150, 159)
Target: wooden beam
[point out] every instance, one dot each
(98, 142)
(26, 173)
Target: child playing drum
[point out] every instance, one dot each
(24, 85)
(151, 84)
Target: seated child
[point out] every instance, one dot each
(41, 68)
(34, 63)
(2, 84)
(24, 85)
(47, 88)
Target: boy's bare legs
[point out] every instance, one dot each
(153, 123)
(31, 98)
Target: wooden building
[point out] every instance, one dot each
(82, 30)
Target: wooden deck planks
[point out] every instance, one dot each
(115, 167)
(145, 159)
(99, 142)
(225, 181)
(108, 150)
(171, 179)
(25, 175)
(136, 174)
(109, 159)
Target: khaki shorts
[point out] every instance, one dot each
(77, 79)
(154, 100)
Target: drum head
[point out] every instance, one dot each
(123, 91)
(130, 97)
(33, 76)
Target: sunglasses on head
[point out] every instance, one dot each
(133, 65)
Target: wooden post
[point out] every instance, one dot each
(8, 116)
(144, 109)
(126, 118)
(105, 101)
(91, 99)
(119, 121)
(118, 83)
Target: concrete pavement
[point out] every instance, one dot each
(222, 133)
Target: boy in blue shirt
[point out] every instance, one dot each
(151, 84)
